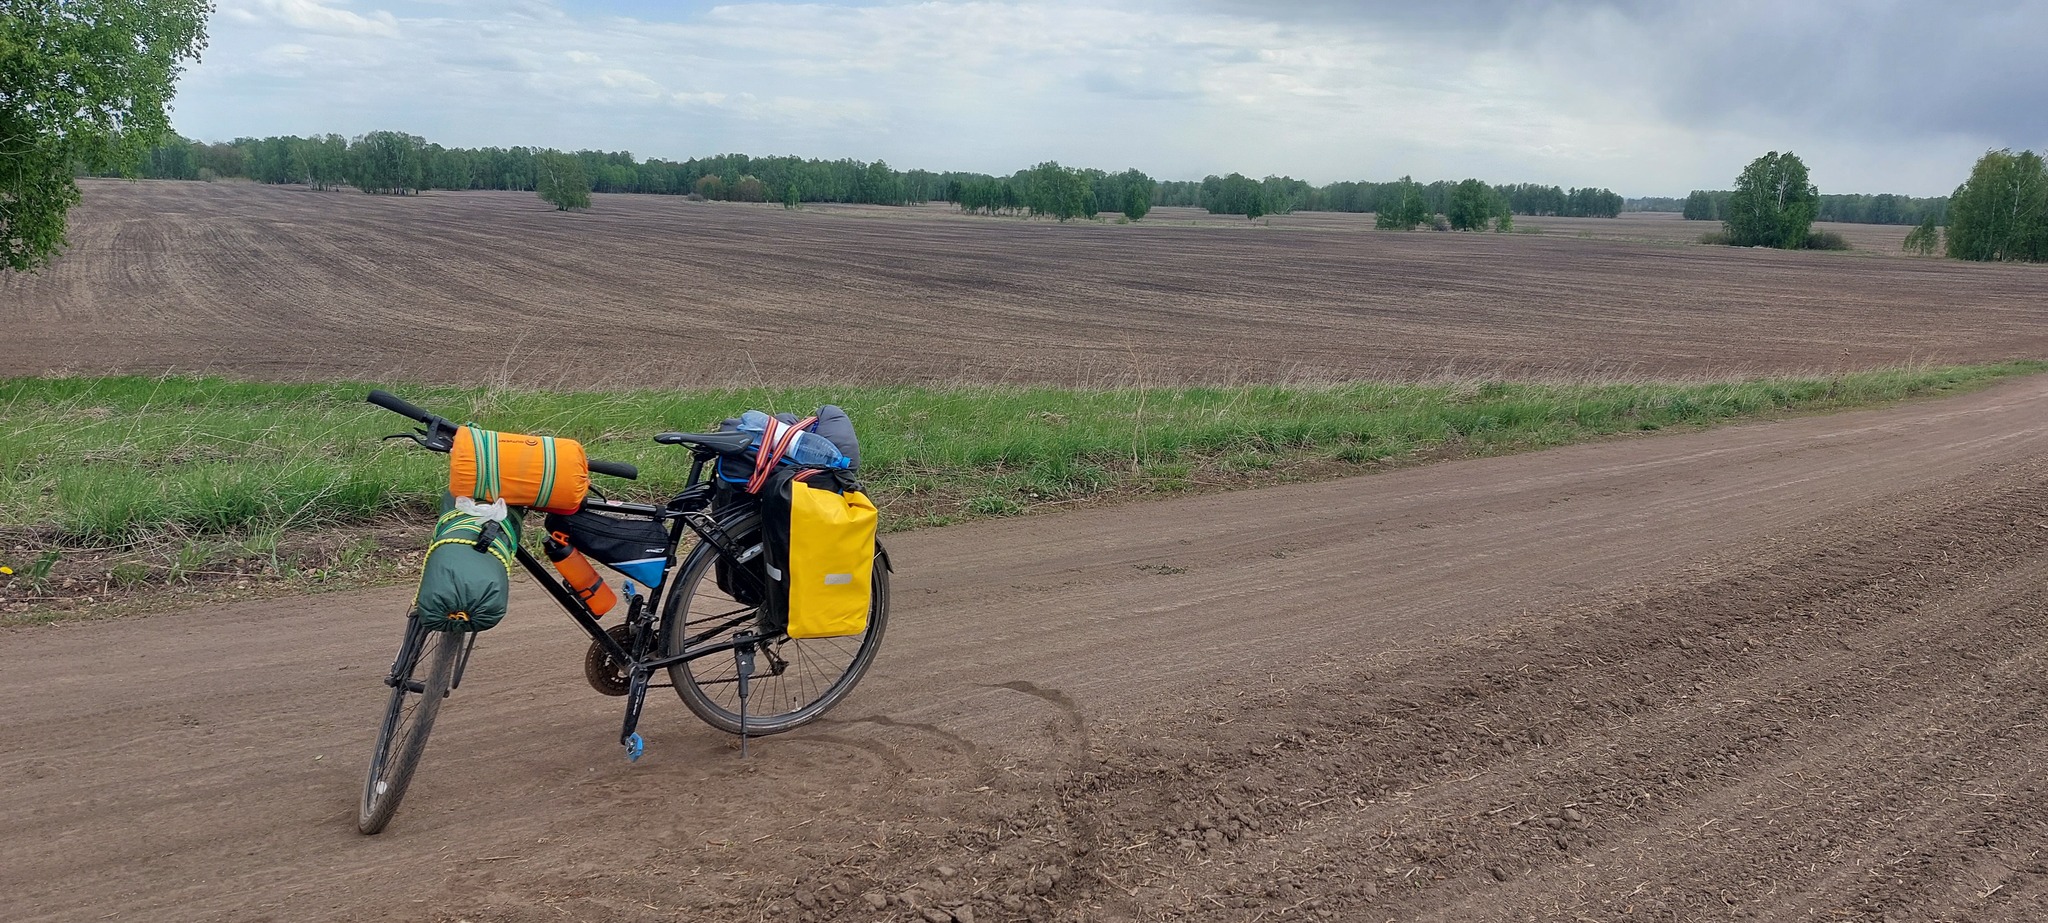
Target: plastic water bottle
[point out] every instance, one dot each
(815, 451)
(810, 449)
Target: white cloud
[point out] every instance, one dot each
(313, 16)
(1176, 89)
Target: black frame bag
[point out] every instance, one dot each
(638, 548)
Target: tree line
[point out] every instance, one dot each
(401, 164)
(397, 163)
(1713, 205)
(1279, 195)
(2000, 213)
(1051, 190)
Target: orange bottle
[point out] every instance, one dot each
(582, 578)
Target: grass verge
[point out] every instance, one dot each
(126, 483)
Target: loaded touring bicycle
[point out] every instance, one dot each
(759, 592)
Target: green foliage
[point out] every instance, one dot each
(738, 177)
(107, 460)
(1773, 204)
(1283, 195)
(388, 162)
(2001, 211)
(1653, 203)
(1534, 199)
(1702, 205)
(1924, 240)
(1713, 205)
(562, 182)
(1059, 192)
(330, 160)
(1473, 204)
(1137, 204)
(83, 84)
(1134, 193)
(1407, 211)
(1233, 195)
(992, 196)
(1826, 240)
(1884, 208)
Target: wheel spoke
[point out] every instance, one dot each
(794, 681)
(416, 699)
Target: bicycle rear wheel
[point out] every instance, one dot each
(794, 681)
(420, 679)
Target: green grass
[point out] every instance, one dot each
(102, 462)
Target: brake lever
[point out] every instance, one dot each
(419, 437)
(441, 439)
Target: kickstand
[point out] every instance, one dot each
(743, 664)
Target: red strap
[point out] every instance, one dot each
(775, 443)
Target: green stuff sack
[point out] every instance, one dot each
(463, 588)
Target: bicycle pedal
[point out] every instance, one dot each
(634, 747)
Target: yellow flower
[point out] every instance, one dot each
(6, 571)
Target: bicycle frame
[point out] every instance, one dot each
(688, 511)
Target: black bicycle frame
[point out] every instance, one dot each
(712, 535)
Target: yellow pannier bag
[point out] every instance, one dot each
(819, 534)
(537, 472)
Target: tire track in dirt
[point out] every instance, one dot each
(1775, 671)
(1494, 783)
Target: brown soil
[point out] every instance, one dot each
(656, 291)
(1785, 671)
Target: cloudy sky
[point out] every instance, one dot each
(1648, 97)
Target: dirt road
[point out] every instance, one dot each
(1786, 671)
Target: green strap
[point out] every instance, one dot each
(476, 449)
(502, 557)
(491, 450)
(547, 467)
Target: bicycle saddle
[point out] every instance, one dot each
(721, 443)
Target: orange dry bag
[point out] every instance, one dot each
(582, 578)
(537, 472)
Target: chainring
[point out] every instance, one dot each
(605, 673)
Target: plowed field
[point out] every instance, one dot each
(647, 290)
(1785, 671)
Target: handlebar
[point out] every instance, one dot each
(439, 434)
(615, 469)
(398, 405)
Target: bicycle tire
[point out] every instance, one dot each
(813, 675)
(408, 719)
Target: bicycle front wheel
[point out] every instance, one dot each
(421, 678)
(794, 681)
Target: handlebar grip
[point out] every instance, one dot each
(396, 405)
(615, 469)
